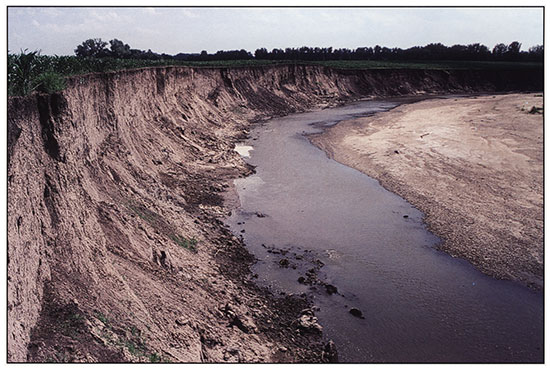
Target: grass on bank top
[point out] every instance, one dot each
(428, 65)
(107, 64)
(368, 64)
(28, 72)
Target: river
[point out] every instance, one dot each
(328, 231)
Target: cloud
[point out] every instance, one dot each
(189, 13)
(52, 12)
(110, 16)
(59, 30)
(150, 11)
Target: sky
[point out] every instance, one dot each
(58, 30)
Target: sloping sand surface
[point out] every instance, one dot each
(474, 166)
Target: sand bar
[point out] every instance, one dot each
(473, 165)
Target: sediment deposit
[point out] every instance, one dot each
(116, 248)
(473, 165)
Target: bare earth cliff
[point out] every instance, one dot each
(116, 246)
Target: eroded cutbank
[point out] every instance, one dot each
(116, 250)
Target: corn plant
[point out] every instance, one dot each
(22, 72)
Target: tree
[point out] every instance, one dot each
(538, 49)
(93, 47)
(149, 55)
(261, 53)
(536, 53)
(514, 47)
(478, 51)
(119, 49)
(512, 52)
(377, 51)
(499, 50)
(136, 54)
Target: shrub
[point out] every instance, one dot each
(154, 358)
(189, 244)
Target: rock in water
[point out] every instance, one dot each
(331, 289)
(356, 313)
(330, 354)
(308, 322)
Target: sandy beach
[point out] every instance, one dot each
(473, 165)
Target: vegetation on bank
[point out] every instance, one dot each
(433, 65)
(30, 71)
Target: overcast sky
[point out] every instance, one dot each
(172, 30)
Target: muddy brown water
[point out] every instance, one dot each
(312, 222)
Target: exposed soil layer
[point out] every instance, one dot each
(474, 166)
(116, 250)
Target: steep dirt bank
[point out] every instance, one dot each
(474, 166)
(112, 181)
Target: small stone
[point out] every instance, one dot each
(309, 323)
(240, 323)
(356, 313)
(260, 215)
(181, 321)
(301, 280)
(284, 263)
(228, 310)
(405, 216)
(330, 354)
(331, 289)
(231, 354)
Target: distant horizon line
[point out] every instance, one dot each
(299, 47)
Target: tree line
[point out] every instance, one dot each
(96, 48)
(30, 71)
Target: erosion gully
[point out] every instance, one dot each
(325, 230)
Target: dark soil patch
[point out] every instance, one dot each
(63, 335)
